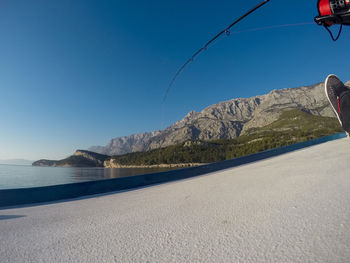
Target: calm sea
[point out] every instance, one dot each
(16, 176)
(21, 176)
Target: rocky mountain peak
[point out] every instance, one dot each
(226, 120)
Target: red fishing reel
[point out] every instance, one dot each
(333, 12)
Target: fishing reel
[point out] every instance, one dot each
(333, 12)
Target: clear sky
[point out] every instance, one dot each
(76, 73)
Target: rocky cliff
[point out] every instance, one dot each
(126, 144)
(226, 120)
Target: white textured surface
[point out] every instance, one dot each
(292, 208)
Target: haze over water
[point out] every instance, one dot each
(18, 176)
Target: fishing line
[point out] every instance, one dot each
(260, 29)
(271, 27)
(225, 31)
(216, 42)
(332, 36)
(228, 34)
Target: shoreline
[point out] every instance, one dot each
(108, 164)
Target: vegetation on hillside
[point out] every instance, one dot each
(293, 126)
(90, 159)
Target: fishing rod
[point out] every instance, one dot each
(331, 12)
(224, 31)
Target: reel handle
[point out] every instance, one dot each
(328, 20)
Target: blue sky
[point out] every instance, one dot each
(77, 73)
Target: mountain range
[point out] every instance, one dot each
(225, 120)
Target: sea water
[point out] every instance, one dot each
(22, 176)
(13, 176)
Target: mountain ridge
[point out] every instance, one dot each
(225, 120)
(292, 127)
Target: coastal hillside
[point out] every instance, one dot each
(80, 158)
(226, 120)
(292, 126)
